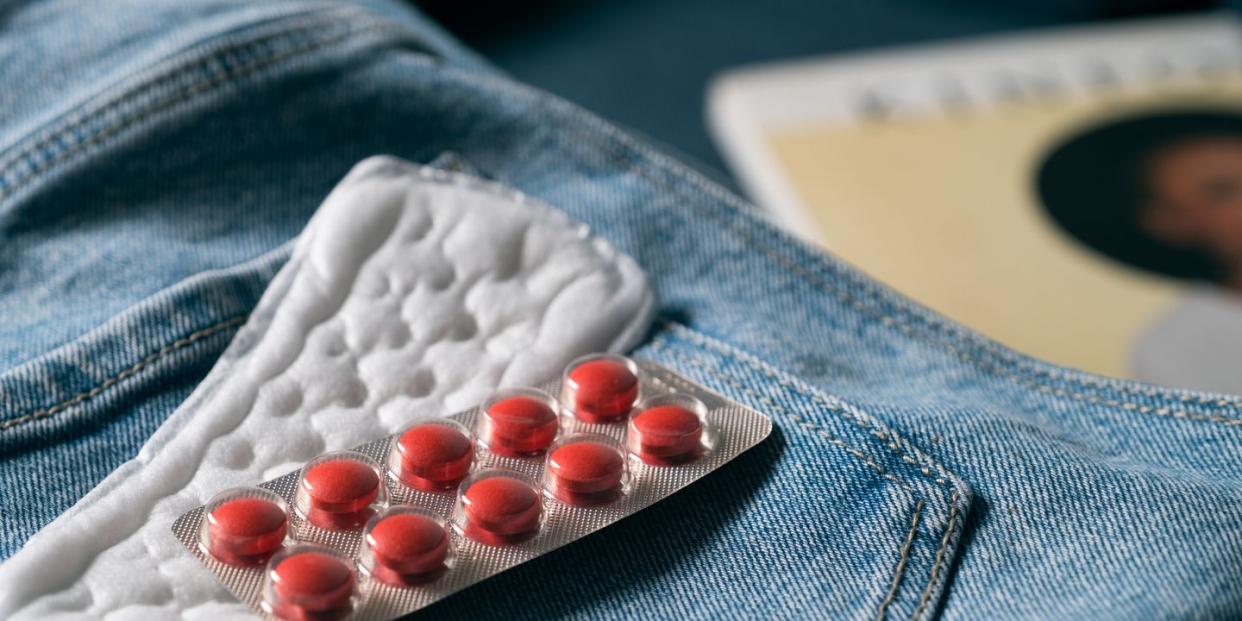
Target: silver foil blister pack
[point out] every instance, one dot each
(320, 543)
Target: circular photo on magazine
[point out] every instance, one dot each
(1160, 191)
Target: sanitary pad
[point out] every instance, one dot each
(411, 292)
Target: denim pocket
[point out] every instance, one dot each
(833, 516)
(72, 415)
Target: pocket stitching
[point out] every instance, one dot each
(125, 374)
(940, 477)
(949, 529)
(902, 561)
(661, 345)
(908, 543)
(807, 427)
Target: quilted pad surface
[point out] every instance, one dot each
(412, 291)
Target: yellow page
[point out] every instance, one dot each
(946, 210)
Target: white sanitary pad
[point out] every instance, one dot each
(411, 291)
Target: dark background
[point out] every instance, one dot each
(645, 64)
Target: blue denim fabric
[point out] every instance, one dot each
(157, 158)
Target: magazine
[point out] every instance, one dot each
(1076, 195)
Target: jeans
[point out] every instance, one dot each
(156, 159)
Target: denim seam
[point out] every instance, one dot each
(932, 325)
(129, 372)
(806, 427)
(890, 442)
(230, 72)
(78, 118)
(820, 431)
(58, 130)
(664, 347)
(949, 528)
(938, 476)
(904, 558)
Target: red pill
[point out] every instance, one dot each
(340, 491)
(666, 435)
(585, 471)
(519, 423)
(499, 509)
(434, 456)
(311, 586)
(246, 530)
(601, 388)
(408, 548)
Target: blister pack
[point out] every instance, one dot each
(399, 523)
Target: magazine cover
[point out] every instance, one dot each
(1097, 226)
